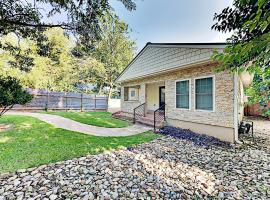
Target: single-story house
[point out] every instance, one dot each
(182, 80)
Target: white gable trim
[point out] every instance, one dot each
(201, 53)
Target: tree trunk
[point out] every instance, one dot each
(100, 88)
(110, 93)
(110, 90)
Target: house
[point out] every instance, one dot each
(180, 82)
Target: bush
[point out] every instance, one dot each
(11, 93)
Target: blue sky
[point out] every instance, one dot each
(172, 20)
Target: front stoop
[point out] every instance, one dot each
(147, 120)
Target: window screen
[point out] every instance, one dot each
(182, 94)
(204, 93)
(132, 93)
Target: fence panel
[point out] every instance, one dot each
(63, 101)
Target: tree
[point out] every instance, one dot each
(249, 46)
(89, 71)
(52, 71)
(115, 51)
(59, 70)
(11, 93)
(30, 18)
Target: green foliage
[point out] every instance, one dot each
(11, 93)
(29, 19)
(60, 70)
(248, 19)
(32, 142)
(249, 46)
(115, 50)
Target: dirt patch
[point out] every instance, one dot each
(5, 127)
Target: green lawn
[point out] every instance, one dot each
(32, 142)
(103, 119)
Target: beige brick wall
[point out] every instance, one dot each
(223, 114)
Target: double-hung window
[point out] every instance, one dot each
(204, 94)
(183, 94)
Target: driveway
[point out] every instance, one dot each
(68, 124)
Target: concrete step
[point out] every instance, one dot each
(149, 122)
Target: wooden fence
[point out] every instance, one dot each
(43, 100)
(254, 110)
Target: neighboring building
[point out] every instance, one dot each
(183, 77)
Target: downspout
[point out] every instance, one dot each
(236, 88)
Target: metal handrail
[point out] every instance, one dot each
(135, 109)
(161, 108)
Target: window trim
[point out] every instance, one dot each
(214, 92)
(133, 93)
(128, 93)
(189, 83)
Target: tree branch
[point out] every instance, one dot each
(64, 26)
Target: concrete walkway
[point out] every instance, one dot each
(68, 124)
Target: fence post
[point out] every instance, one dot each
(47, 101)
(95, 101)
(81, 102)
(66, 100)
(107, 100)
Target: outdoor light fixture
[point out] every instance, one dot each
(246, 78)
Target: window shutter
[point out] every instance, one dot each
(125, 93)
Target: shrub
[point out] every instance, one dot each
(11, 93)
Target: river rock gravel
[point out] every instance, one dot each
(166, 168)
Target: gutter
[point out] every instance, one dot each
(235, 108)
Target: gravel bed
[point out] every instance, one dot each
(166, 168)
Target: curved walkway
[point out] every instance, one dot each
(71, 125)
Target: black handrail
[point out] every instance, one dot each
(161, 108)
(139, 110)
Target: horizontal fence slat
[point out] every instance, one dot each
(43, 99)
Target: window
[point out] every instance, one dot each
(131, 93)
(204, 93)
(182, 94)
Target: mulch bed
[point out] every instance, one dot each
(195, 138)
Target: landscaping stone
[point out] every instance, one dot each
(166, 168)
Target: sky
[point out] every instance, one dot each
(172, 20)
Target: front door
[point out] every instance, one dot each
(161, 96)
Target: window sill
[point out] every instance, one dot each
(187, 109)
(209, 111)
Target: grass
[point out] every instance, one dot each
(102, 119)
(32, 142)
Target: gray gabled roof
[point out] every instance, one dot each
(158, 57)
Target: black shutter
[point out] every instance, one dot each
(125, 93)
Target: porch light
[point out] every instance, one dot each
(246, 78)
